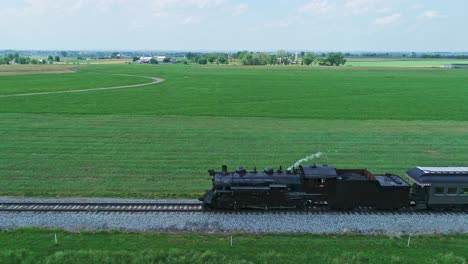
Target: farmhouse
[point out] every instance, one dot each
(160, 58)
(144, 60)
(456, 66)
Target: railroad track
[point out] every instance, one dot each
(191, 207)
(99, 207)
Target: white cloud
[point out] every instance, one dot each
(279, 23)
(164, 8)
(431, 14)
(364, 6)
(318, 7)
(388, 20)
(240, 9)
(190, 20)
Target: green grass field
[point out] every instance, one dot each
(159, 140)
(385, 62)
(38, 246)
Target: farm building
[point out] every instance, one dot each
(144, 60)
(160, 58)
(456, 66)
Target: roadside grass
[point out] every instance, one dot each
(168, 156)
(38, 246)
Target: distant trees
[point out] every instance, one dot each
(64, 54)
(57, 59)
(218, 58)
(153, 61)
(15, 58)
(308, 58)
(115, 55)
(167, 60)
(202, 61)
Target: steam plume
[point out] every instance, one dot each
(310, 157)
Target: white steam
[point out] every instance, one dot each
(310, 157)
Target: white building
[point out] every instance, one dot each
(144, 60)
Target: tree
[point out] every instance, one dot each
(336, 59)
(308, 58)
(64, 54)
(167, 60)
(16, 57)
(302, 57)
(34, 61)
(23, 60)
(211, 57)
(203, 61)
(154, 61)
(223, 60)
(115, 55)
(57, 59)
(283, 56)
(135, 59)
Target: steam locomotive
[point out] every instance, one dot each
(326, 186)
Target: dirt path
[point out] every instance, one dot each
(154, 80)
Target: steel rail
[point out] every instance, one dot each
(98, 207)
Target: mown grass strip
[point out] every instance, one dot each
(38, 246)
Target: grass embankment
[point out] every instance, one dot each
(158, 141)
(38, 246)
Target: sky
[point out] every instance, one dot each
(231, 25)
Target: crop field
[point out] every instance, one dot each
(34, 69)
(38, 246)
(385, 62)
(159, 140)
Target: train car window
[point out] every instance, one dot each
(452, 191)
(439, 190)
(464, 191)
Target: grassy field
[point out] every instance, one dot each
(38, 246)
(34, 69)
(385, 62)
(159, 140)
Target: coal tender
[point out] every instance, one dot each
(305, 187)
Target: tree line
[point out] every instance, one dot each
(281, 57)
(15, 58)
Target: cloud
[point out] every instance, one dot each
(364, 6)
(279, 23)
(240, 9)
(190, 20)
(317, 7)
(388, 20)
(431, 14)
(164, 8)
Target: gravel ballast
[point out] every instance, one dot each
(211, 222)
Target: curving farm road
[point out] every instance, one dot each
(155, 80)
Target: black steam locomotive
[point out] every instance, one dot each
(325, 186)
